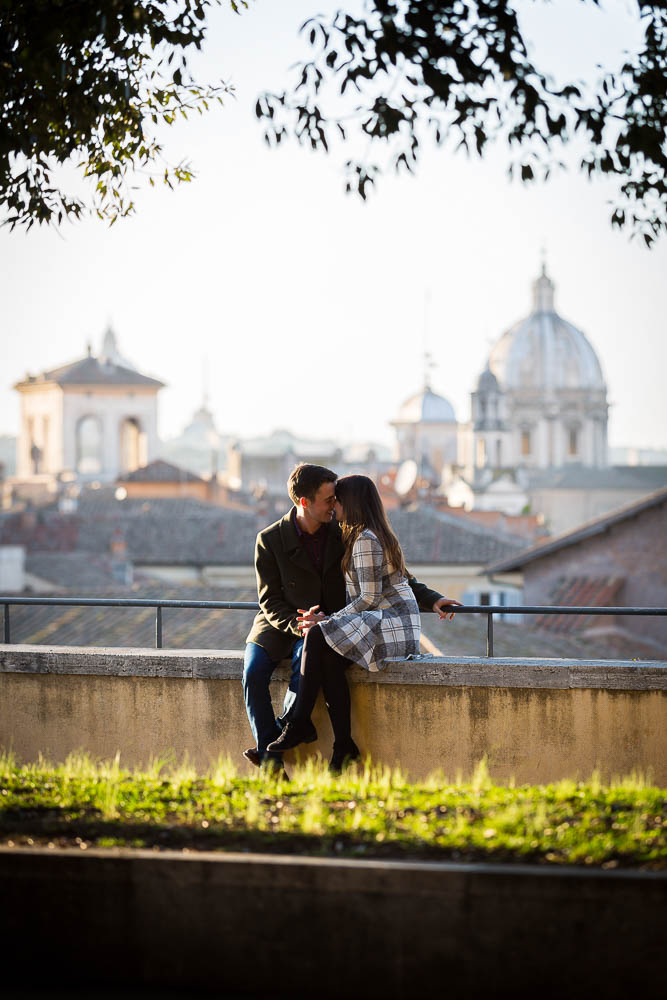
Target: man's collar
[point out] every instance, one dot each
(299, 530)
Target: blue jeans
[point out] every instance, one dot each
(257, 670)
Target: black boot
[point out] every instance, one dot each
(343, 755)
(294, 733)
(253, 756)
(307, 727)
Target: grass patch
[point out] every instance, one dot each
(367, 812)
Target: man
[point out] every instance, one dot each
(297, 563)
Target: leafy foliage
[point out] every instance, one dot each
(87, 83)
(365, 812)
(460, 70)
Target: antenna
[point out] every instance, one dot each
(428, 359)
(204, 383)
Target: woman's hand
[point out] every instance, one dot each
(306, 619)
(446, 602)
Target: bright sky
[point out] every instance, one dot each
(304, 306)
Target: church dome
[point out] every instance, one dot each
(201, 431)
(544, 351)
(426, 407)
(202, 420)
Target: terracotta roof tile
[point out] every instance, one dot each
(579, 591)
(170, 531)
(429, 536)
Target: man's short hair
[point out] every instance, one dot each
(305, 480)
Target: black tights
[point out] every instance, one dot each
(322, 667)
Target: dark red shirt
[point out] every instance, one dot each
(314, 544)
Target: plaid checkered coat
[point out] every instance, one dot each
(381, 618)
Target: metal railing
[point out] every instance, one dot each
(159, 605)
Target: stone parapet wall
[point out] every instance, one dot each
(534, 720)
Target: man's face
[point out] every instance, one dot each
(321, 508)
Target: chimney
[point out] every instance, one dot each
(118, 545)
(122, 570)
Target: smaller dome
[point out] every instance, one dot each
(201, 431)
(426, 407)
(202, 418)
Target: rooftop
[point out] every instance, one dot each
(429, 536)
(91, 371)
(281, 443)
(211, 629)
(613, 477)
(160, 471)
(164, 531)
(596, 526)
(185, 532)
(77, 572)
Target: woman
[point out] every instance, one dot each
(381, 619)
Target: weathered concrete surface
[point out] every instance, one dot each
(226, 664)
(270, 926)
(536, 721)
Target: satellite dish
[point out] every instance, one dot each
(406, 477)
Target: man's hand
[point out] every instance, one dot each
(446, 602)
(306, 619)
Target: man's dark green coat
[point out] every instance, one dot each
(287, 580)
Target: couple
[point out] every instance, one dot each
(336, 529)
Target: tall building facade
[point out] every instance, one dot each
(94, 419)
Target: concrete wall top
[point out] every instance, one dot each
(446, 671)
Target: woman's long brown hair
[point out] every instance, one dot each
(362, 508)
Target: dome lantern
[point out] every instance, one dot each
(543, 293)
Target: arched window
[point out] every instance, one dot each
(89, 446)
(132, 445)
(525, 442)
(45, 442)
(34, 451)
(573, 441)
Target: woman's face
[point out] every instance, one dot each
(338, 510)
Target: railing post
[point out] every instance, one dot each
(7, 633)
(158, 627)
(489, 634)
